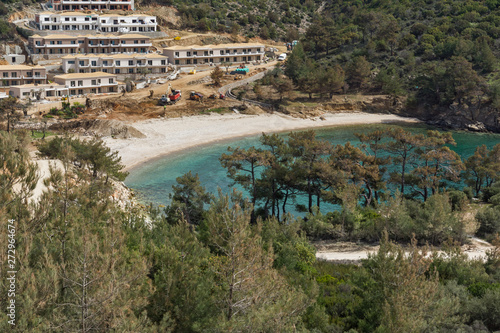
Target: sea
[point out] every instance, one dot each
(153, 181)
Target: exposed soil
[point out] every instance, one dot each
(354, 252)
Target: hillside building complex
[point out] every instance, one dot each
(91, 4)
(11, 75)
(74, 21)
(151, 63)
(216, 54)
(64, 44)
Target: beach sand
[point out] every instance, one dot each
(168, 135)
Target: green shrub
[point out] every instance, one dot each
(489, 221)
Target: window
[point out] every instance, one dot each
(80, 42)
(111, 81)
(52, 42)
(205, 53)
(94, 82)
(72, 83)
(195, 61)
(177, 61)
(131, 62)
(37, 74)
(188, 61)
(150, 62)
(80, 83)
(46, 19)
(81, 63)
(235, 51)
(123, 42)
(235, 59)
(72, 92)
(195, 53)
(188, 53)
(176, 54)
(80, 91)
(136, 42)
(66, 19)
(211, 52)
(131, 70)
(29, 74)
(163, 62)
(37, 43)
(73, 42)
(5, 74)
(93, 70)
(71, 62)
(117, 63)
(94, 63)
(87, 19)
(105, 70)
(117, 71)
(13, 74)
(104, 62)
(221, 52)
(143, 42)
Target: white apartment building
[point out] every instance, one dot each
(59, 44)
(42, 91)
(73, 21)
(216, 54)
(89, 83)
(150, 63)
(127, 23)
(66, 21)
(91, 4)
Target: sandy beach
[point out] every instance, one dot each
(165, 136)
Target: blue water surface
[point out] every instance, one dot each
(153, 181)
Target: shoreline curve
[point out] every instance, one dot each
(174, 135)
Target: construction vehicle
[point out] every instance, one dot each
(195, 96)
(215, 96)
(164, 100)
(175, 95)
(170, 99)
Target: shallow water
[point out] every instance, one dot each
(153, 181)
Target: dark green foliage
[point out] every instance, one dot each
(271, 19)
(101, 267)
(92, 154)
(489, 221)
(188, 200)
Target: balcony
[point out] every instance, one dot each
(59, 45)
(136, 45)
(36, 77)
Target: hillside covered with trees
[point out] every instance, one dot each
(218, 263)
(440, 55)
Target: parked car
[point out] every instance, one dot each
(282, 57)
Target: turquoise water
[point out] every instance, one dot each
(153, 182)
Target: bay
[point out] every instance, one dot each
(153, 182)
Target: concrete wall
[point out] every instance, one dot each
(19, 58)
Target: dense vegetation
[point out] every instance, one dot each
(211, 263)
(267, 19)
(440, 54)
